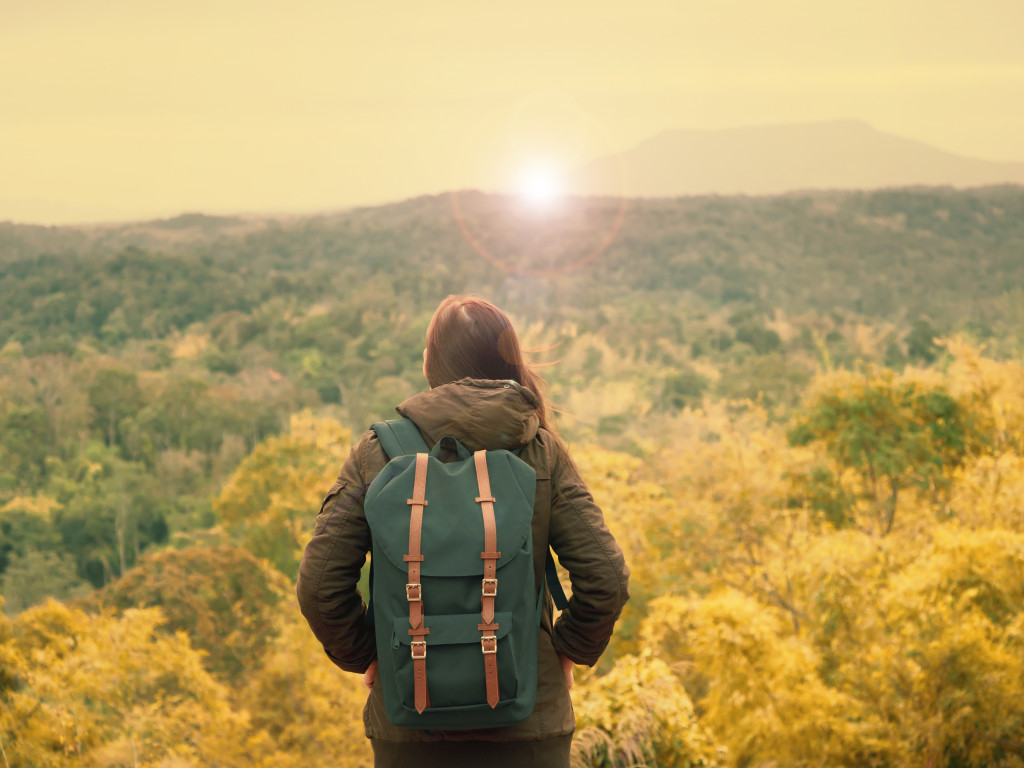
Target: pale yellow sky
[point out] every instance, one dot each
(123, 109)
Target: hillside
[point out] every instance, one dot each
(893, 255)
(819, 501)
(771, 159)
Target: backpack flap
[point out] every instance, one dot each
(452, 514)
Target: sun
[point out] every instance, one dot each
(541, 187)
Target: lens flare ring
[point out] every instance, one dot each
(512, 269)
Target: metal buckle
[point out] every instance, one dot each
(493, 583)
(483, 645)
(408, 593)
(412, 649)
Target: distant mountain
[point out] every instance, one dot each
(771, 159)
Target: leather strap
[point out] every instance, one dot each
(413, 588)
(489, 585)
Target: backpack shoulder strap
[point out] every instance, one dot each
(399, 437)
(554, 585)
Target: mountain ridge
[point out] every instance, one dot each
(780, 158)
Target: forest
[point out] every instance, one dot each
(803, 416)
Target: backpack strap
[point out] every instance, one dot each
(413, 590)
(554, 585)
(400, 437)
(489, 585)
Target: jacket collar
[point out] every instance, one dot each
(479, 413)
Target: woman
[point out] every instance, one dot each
(483, 394)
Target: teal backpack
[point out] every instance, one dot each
(453, 599)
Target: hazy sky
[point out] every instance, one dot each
(128, 108)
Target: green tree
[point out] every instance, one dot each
(894, 433)
(111, 511)
(24, 434)
(26, 525)
(114, 394)
(920, 342)
(33, 576)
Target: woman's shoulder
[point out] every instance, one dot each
(548, 451)
(554, 443)
(369, 456)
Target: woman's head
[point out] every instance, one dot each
(471, 338)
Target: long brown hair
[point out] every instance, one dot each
(469, 337)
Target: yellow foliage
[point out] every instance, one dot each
(323, 434)
(587, 406)
(639, 714)
(995, 388)
(987, 492)
(770, 607)
(271, 499)
(223, 597)
(41, 506)
(101, 690)
(732, 512)
(191, 346)
(843, 647)
(106, 691)
(634, 508)
(305, 710)
(759, 691)
(869, 338)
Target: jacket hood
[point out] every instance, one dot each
(479, 413)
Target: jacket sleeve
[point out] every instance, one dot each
(330, 568)
(597, 568)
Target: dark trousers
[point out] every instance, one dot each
(547, 753)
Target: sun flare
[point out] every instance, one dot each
(541, 187)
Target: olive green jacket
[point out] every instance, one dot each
(486, 415)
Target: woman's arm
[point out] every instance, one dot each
(330, 568)
(597, 568)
